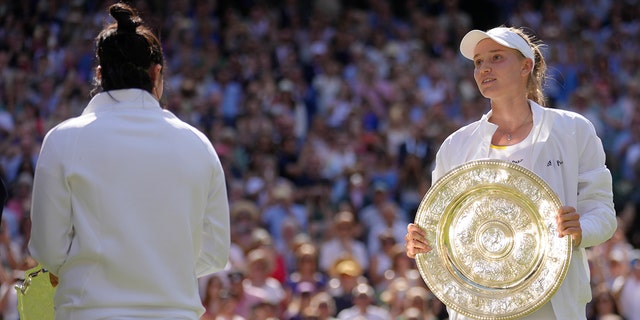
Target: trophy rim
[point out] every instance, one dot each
(453, 208)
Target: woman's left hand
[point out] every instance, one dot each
(569, 224)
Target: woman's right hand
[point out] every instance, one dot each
(416, 241)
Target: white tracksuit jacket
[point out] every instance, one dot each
(569, 156)
(129, 209)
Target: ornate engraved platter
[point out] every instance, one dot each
(496, 251)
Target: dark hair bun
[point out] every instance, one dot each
(126, 18)
(126, 49)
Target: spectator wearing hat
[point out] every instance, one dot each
(306, 269)
(393, 296)
(411, 314)
(259, 281)
(423, 301)
(290, 257)
(345, 275)
(321, 307)
(343, 244)
(283, 211)
(263, 240)
(364, 305)
(245, 215)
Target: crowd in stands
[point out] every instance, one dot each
(326, 115)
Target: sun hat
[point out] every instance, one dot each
(346, 266)
(501, 35)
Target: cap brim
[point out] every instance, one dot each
(469, 42)
(473, 37)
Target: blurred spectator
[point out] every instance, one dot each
(299, 301)
(345, 275)
(628, 292)
(265, 310)
(306, 270)
(213, 300)
(604, 305)
(393, 296)
(319, 206)
(321, 307)
(424, 302)
(356, 193)
(258, 281)
(8, 294)
(364, 305)
(246, 218)
(284, 217)
(228, 303)
(610, 260)
(18, 205)
(382, 259)
(343, 244)
(401, 267)
(392, 221)
(262, 240)
(289, 111)
(291, 256)
(244, 299)
(371, 215)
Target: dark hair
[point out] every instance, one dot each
(126, 49)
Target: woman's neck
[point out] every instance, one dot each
(511, 115)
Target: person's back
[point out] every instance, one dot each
(129, 208)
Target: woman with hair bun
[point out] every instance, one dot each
(129, 202)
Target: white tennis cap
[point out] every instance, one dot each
(501, 35)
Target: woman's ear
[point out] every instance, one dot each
(527, 66)
(156, 78)
(155, 72)
(98, 72)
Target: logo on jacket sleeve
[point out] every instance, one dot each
(557, 163)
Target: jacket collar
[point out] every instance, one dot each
(542, 122)
(124, 98)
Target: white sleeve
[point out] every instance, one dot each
(51, 226)
(216, 234)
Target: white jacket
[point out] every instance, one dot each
(569, 156)
(129, 208)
